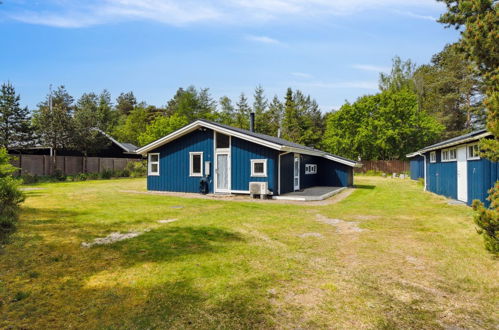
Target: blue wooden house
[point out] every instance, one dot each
(217, 158)
(453, 168)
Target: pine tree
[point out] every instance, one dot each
(242, 112)
(275, 114)
(125, 103)
(54, 125)
(15, 127)
(291, 122)
(260, 105)
(227, 113)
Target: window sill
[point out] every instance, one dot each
(152, 174)
(449, 161)
(258, 175)
(473, 158)
(196, 175)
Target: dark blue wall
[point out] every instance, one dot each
(242, 153)
(309, 180)
(482, 175)
(174, 163)
(334, 174)
(287, 174)
(441, 177)
(417, 167)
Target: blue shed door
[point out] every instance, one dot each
(462, 174)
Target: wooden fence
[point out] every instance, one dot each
(41, 165)
(385, 166)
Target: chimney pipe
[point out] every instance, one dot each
(252, 122)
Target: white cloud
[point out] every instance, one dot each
(371, 85)
(263, 39)
(76, 13)
(368, 67)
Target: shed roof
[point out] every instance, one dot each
(262, 139)
(469, 137)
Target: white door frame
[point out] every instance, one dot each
(224, 151)
(295, 176)
(462, 174)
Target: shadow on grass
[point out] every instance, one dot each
(167, 243)
(364, 186)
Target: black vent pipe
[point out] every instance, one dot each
(252, 122)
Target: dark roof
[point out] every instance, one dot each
(453, 141)
(272, 139)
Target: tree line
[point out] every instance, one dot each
(415, 106)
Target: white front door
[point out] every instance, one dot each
(222, 172)
(462, 174)
(296, 172)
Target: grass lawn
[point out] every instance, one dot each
(418, 263)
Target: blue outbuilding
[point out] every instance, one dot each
(453, 168)
(210, 157)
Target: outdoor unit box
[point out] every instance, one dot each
(258, 188)
(207, 166)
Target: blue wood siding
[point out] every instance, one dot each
(241, 154)
(442, 176)
(309, 180)
(174, 163)
(417, 167)
(482, 175)
(287, 174)
(334, 174)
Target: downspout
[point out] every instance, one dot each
(424, 169)
(279, 172)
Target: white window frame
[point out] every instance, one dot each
(433, 157)
(149, 163)
(446, 155)
(259, 175)
(191, 164)
(468, 157)
(310, 168)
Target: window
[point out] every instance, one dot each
(473, 151)
(433, 157)
(449, 155)
(195, 164)
(223, 141)
(310, 168)
(259, 167)
(153, 164)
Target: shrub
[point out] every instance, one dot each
(137, 169)
(29, 179)
(10, 195)
(106, 174)
(487, 220)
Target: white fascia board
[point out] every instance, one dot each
(302, 151)
(342, 161)
(195, 125)
(451, 144)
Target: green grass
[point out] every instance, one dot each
(418, 263)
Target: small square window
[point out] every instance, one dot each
(433, 157)
(310, 168)
(259, 167)
(473, 151)
(153, 164)
(195, 164)
(223, 141)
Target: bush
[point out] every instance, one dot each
(137, 169)
(487, 220)
(10, 195)
(106, 174)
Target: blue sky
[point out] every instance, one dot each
(330, 49)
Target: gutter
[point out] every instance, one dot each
(424, 169)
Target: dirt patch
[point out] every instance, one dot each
(167, 220)
(311, 235)
(343, 227)
(113, 238)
